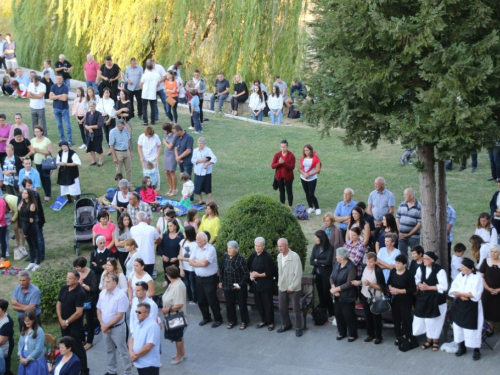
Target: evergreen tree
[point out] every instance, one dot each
(424, 71)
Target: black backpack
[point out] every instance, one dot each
(293, 113)
(320, 316)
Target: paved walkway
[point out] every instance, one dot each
(257, 351)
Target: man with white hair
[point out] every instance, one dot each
(59, 96)
(36, 94)
(289, 286)
(204, 261)
(64, 67)
(380, 201)
(90, 69)
(343, 210)
(145, 236)
(409, 221)
(203, 160)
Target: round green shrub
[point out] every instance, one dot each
(260, 216)
(49, 279)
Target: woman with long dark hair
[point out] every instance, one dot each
(357, 220)
(309, 168)
(322, 261)
(257, 103)
(79, 111)
(172, 92)
(169, 247)
(388, 226)
(122, 233)
(28, 217)
(30, 348)
(186, 248)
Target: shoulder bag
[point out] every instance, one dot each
(174, 322)
(49, 163)
(380, 304)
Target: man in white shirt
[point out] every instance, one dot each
(149, 82)
(160, 91)
(111, 309)
(141, 296)
(36, 94)
(145, 236)
(204, 261)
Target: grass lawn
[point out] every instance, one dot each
(244, 152)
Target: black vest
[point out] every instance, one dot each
(427, 304)
(67, 175)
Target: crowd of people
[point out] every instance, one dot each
(361, 252)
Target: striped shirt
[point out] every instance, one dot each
(409, 217)
(119, 139)
(356, 254)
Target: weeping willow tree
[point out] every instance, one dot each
(256, 38)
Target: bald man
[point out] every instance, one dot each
(380, 202)
(90, 69)
(64, 67)
(343, 210)
(409, 221)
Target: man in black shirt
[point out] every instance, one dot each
(371, 222)
(64, 67)
(221, 91)
(69, 309)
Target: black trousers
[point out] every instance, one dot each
(310, 188)
(108, 128)
(138, 96)
(345, 315)
(325, 297)
(89, 316)
(401, 315)
(373, 321)
(75, 331)
(264, 303)
(235, 101)
(149, 268)
(122, 256)
(239, 297)
(3, 240)
(145, 111)
(282, 185)
(206, 288)
(149, 370)
(82, 130)
(30, 231)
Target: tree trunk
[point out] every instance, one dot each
(441, 216)
(428, 189)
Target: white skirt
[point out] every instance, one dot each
(431, 326)
(71, 189)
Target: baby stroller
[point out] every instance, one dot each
(85, 218)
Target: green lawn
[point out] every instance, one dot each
(244, 152)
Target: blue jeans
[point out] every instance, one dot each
(274, 118)
(93, 84)
(41, 242)
(197, 122)
(190, 282)
(494, 154)
(61, 114)
(172, 110)
(163, 98)
(221, 101)
(259, 116)
(67, 82)
(45, 180)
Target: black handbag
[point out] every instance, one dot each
(275, 184)
(49, 163)
(407, 342)
(380, 304)
(174, 322)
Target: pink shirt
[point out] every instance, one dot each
(3, 223)
(107, 233)
(24, 128)
(4, 133)
(91, 70)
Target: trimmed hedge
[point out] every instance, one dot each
(260, 216)
(49, 279)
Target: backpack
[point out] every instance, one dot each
(293, 113)
(300, 212)
(110, 194)
(320, 316)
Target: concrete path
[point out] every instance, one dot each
(258, 351)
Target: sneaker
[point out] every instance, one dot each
(195, 132)
(192, 303)
(318, 211)
(402, 161)
(35, 267)
(409, 162)
(82, 147)
(310, 210)
(144, 124)
(191, 128)
(7, 253)
(474, 170)
(30, 266)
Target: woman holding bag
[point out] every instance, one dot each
(43, 148)
(309, 168)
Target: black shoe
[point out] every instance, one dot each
(474, 170)
(491, 179)
(378, 341)
(477, 355)
(206, 119)
(461, 168)
(144, 124)
(461, 349)
(351, 339)
(284, 329)
(216, 324)
(205, 321)
(368, 339)
(339, 337)
(298, 332)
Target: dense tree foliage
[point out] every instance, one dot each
(253, 37)
(426, 72)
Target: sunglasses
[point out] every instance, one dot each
(139, 312)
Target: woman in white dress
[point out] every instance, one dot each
(68, 176)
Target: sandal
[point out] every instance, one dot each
(243, 326)
(271, 327)
(426, 345)
(261, 324)
(201, 203)
(93, 163)
(174, 192)
(230, 325)
(435, 346)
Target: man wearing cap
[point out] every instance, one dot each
(430, 306)
(36, 94)
(467, 310)
(120, 146)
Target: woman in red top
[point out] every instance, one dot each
(284, 163)
(309, 168)
(106, 228)
(172, 91)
